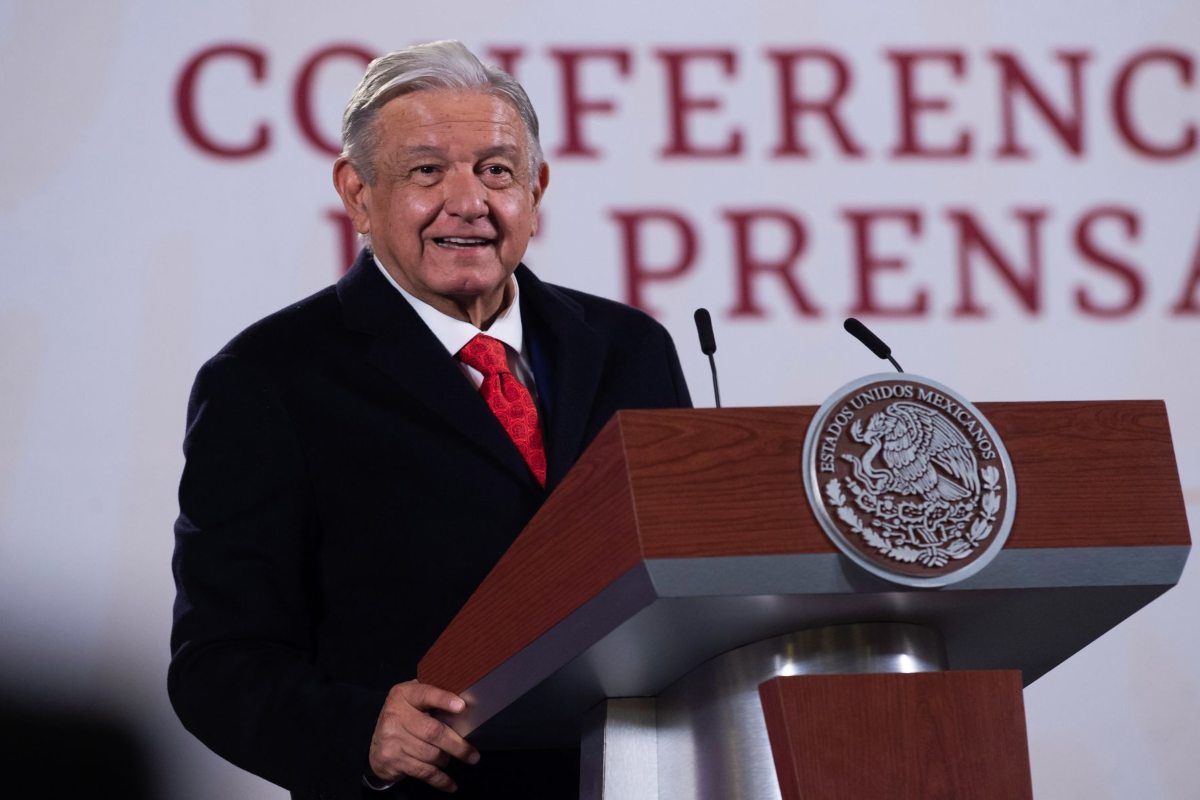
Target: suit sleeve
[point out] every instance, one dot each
(683, 398)
(242, 676)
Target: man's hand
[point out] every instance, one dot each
(408, 741)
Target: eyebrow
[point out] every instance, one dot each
(505, 150)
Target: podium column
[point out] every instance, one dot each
(705, 737)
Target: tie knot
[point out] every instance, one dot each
(485, 354)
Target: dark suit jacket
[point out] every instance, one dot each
(345, 491)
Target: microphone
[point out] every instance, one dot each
(873, 342)
(708, 346)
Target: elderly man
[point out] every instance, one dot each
(357, 462)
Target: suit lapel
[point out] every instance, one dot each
(402, 347)
(574, 363)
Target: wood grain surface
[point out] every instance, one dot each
(925, 736)
(723, 482)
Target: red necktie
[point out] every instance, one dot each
(508, 399)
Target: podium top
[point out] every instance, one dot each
(681, 534)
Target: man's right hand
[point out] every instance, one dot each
(409, 742)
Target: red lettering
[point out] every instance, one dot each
(971, 239)
(867, 264)
(574, 106)
(1067, 125)
(302, 94)
(793, 104)
(1123, 114)
(185, 101)
(637, 271)
(682, 105)
(1123, 270)
(506, 57)
(749, 265)
(911, 104)
(1189, 298)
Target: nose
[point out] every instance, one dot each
(466, 196)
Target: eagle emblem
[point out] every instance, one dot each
(910, 478)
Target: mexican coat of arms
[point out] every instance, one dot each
(909, 480)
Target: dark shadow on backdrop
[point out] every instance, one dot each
(71, 753)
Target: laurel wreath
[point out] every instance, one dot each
(931, 555)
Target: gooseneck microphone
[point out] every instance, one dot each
(873, 342)
(708, 346)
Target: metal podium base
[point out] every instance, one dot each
(704, 737)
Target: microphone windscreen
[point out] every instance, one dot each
(704, 328)
(864, 335)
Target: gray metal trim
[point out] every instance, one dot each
(588, 624)
(830, 573)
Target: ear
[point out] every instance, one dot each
(355, 194)
(539, 189)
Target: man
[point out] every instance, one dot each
(356, 463)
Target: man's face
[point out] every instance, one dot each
(452, 207)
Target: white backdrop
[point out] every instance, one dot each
(1005, 191)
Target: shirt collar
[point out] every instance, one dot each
(454, 333)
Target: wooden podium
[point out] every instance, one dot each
(680, 567)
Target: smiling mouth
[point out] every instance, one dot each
(460, 242)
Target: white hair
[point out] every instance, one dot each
(424, 67)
